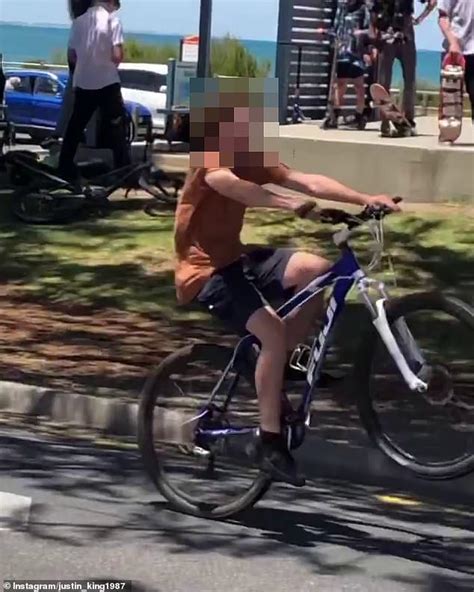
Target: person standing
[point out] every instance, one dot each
(395, 25)
(76, 9)
(95, 51)
(456, 21)
(353, 60)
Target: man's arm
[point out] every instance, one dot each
(445, 26)
(430, 6)
(117, 41)
(330, 189)
(251, 195)
(71, 56)
(72, 46)
(254, 196)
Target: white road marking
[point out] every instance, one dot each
(14, 511)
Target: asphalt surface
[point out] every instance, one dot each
(75, 510)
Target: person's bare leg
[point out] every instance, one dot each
(340, 93)
(360, 94)
(301, 269)
(271, 332)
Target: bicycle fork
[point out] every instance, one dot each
(411, 356)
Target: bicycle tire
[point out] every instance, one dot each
(395, 309)
(57, 208)
(154, 467)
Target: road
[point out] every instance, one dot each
(74, 510)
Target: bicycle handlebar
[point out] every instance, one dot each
(336, 216)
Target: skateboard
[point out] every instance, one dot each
(451, 98)
(382, 100)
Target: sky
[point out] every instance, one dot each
(247, 19)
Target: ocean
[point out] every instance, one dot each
(20, 43)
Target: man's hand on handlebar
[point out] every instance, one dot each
(384, 201)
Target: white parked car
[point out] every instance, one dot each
(146, 84)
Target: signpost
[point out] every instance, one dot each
(190, 48)
(204, 56)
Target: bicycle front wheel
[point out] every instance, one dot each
(430, 433)
(212, 482)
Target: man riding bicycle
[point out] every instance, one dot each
(231, 167)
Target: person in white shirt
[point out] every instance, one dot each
(76, 9)
(456, 21)
(96, 50)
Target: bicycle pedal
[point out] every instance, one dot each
(201, 452)
(300, 358)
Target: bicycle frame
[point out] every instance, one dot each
(343, 275)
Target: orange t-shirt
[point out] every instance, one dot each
(208, 226)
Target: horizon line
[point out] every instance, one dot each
(66, 26)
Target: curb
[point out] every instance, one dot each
(112, 417)
(319, 457)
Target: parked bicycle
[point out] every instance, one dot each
(198, 420)
(43, 197)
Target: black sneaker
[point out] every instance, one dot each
(360, 121)
(330, 123)
(278, 463)
(413, 130)
(385, 130)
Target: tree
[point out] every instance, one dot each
(135, 51)
(229, 57)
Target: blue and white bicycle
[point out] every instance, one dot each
(413, 383)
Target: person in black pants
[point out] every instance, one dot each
(95, 51)
(456, 20)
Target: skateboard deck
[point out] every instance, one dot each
(451, 98)
(383, 100)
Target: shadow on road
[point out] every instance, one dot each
(82, 495)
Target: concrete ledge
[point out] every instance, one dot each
(419, 169)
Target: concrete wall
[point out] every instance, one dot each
(419, 173)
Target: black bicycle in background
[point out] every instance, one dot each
(42, 196)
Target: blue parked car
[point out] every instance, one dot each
(34, 99)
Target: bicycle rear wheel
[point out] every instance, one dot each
(214, 482)
(431, 433)
(46, 206)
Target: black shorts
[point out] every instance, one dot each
(349, 66)
(235, 292)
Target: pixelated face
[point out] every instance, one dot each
(233, 122)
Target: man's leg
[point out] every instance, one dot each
(385, 69)
(360, 94)
(67, 107)
(341, 87)
(271, 332)
(408, 62)
(360, 118)
(233, 298)
(85, 103)
(301, 269)
(469, 77)
(113, 111)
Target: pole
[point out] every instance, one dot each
(204, 56)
